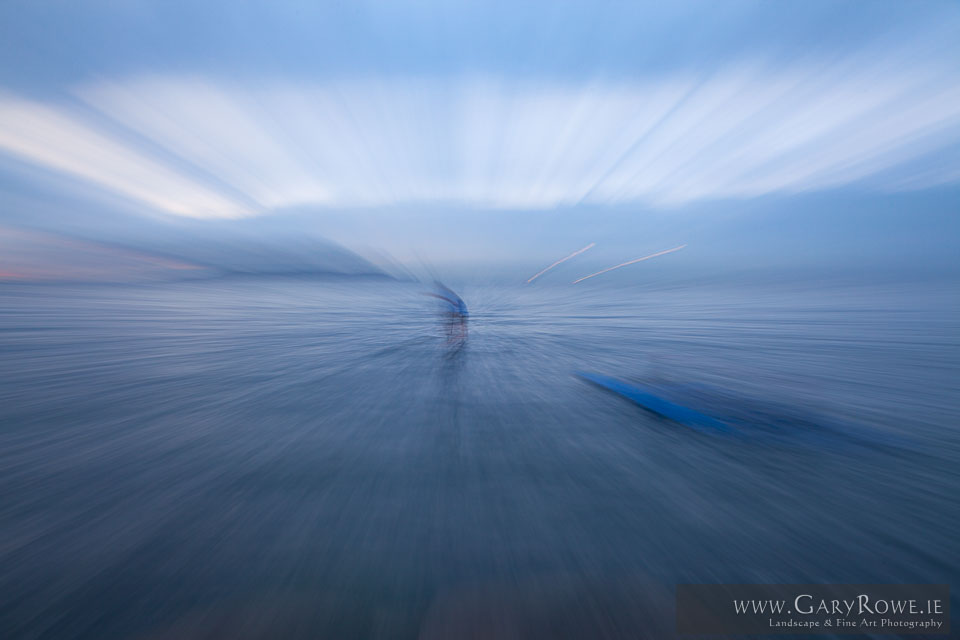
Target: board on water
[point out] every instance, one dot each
(720, 411)
(650, 401)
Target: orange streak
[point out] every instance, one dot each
(617, 266)
(575, 253)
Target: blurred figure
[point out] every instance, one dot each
(454, 313)
(454, 303)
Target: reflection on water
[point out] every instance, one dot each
(301, 459)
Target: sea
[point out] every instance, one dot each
(336, 457)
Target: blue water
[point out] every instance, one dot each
(294, 458)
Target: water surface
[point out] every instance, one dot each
(326, 459)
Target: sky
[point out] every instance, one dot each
(171, 137)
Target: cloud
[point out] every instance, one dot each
(55, 138)
(205, 148)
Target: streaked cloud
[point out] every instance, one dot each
(56, 138)
(196, 146)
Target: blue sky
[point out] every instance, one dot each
(482, 133)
